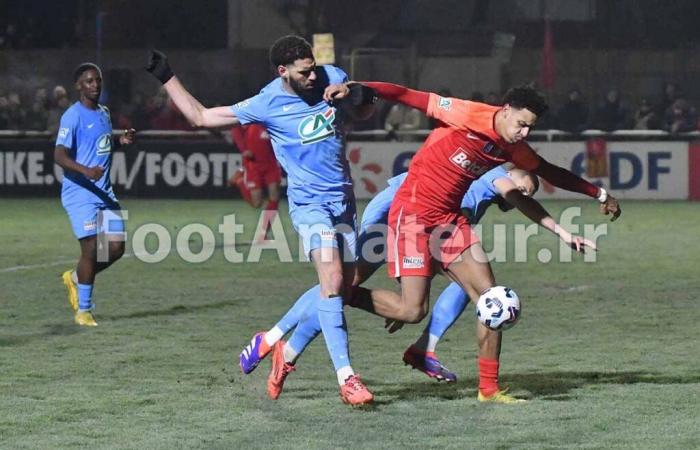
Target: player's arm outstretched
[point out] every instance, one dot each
(536, 212)
(525, 158)
(197, 114)
(361, 91)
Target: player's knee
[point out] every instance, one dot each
(332, 283)
(414, 309)
(415, 314)
(116, 250)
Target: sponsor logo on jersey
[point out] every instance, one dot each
(327, 235)
(317, 127)
(90, 225)
(461, 159)
(63, 132)
(444, 103)
(104, 144)
(413, 262)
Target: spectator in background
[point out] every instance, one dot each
(645, 118)
(136, 110)
(681, 117)
(37, 116)
(573, 115)
(59, 104)
(4, 104)
(15, 113)
(670, 94)
(611, 114)
(9, 38)
(163, 113)
(493, 98)
(403, 118)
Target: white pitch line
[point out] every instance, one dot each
(75, 261)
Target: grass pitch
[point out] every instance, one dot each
(607, 352)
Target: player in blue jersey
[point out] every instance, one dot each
(490, 189)
(84, 151)
(308, 141)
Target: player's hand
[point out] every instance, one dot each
(128, 137)
(611, 206)
(580, 244)
(158, 66)
(392, 326)
(94, 173)
(247, 154)
(336, 92)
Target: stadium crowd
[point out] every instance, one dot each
(671, 111)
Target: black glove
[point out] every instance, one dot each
(158, 66)
(361, 95)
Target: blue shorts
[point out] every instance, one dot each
(89, 219)
(322, 225)
(371, 244)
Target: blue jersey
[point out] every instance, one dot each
(87, 134)
(481, 194)
(307, 139)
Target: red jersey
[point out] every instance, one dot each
(459, 151)
(254, 138)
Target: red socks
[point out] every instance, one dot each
(245, 192)
(488, 376)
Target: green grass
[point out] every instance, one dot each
(607, 352)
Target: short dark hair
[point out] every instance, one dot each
(84, 67)
(288, 49)
(526, 96)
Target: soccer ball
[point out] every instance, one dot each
(498, 308)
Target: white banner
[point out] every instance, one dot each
(635, 170)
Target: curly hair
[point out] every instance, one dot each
(288, 49)
(528, 97)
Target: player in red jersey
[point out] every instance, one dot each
(260, 169)
(428, 233)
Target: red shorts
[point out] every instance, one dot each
(258, 175)
(414, 245)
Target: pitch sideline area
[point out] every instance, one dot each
(605, 351)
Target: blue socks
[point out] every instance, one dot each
(308, 328)
(84, 297)
(332, 320)
(448, 307)
(305, 303)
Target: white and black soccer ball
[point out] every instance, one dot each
(498, 308)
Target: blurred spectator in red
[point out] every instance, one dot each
(573, 115)
(164, 115)
(120, 120)
(611, 114)
(645, 118)
(681, 117)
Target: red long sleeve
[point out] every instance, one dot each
(564, 179)
(401, 94)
